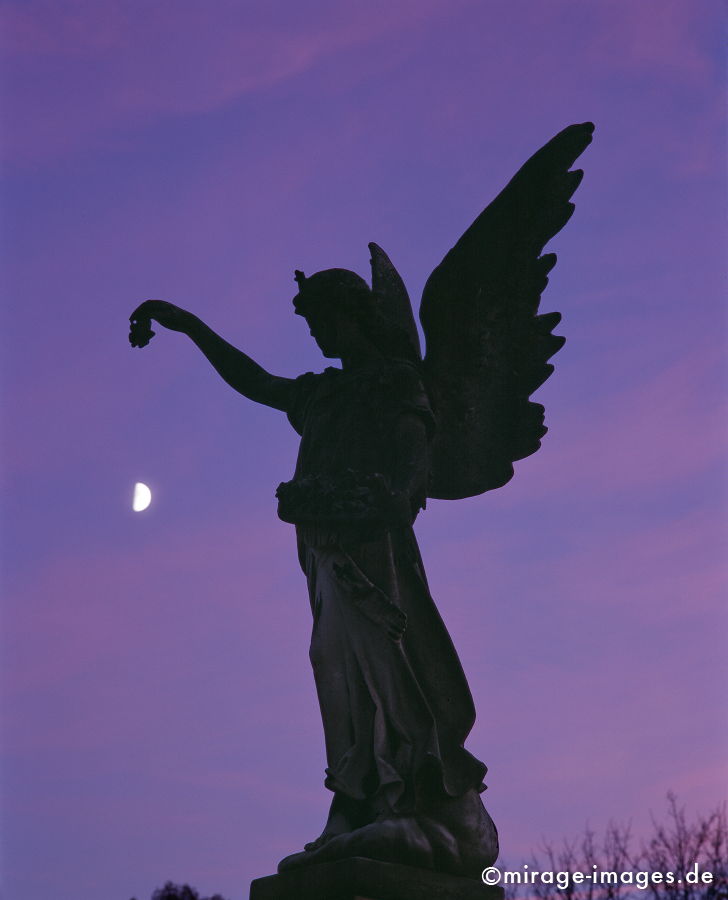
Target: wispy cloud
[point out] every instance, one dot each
(81, 71)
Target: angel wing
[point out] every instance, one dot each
(487, 348)
(393, 309)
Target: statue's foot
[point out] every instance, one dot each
(452, 835)
(391, 840)
(319, 842)
(345, 815)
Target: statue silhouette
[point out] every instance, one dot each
(378, 436)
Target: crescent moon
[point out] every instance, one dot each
(142, 497)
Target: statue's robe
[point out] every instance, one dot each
(395, 712)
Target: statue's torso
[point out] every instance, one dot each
(347, 418)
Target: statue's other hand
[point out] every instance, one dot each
(167, 314)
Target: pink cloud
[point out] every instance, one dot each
(122, 67)
(653, 37)
(667, 428)
(74, 612)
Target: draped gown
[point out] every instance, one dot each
(395, 712)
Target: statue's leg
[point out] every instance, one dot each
(393, 711)
(345, 705)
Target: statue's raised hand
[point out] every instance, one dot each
(167, 314)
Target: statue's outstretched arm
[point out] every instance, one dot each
(235, 367)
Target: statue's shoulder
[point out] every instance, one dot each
(305, 388)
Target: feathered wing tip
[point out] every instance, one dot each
(394, 302)
(487, 346)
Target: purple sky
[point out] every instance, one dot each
(160, 715)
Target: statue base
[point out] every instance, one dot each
(367, 879)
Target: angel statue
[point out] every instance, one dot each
(379, 435)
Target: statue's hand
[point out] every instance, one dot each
(167, 314)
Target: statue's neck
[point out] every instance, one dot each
(360, 353)
(364, 361)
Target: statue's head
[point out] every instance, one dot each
(332, 302)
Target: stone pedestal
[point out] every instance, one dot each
(366, 879)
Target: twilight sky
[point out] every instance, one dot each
(160, 719)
